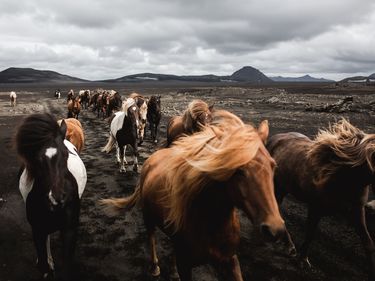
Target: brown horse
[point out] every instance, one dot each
(74, 108)
(74, 133)
(197, 115)
(193, 196)
(331, 174)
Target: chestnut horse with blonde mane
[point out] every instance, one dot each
(74, 133)
(197, 115)
(74, 107)
(331, 174)
(194, 195)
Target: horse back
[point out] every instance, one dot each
(293, 173)
(175, 129)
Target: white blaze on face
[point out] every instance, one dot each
(50, 152)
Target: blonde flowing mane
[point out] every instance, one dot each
(192, 113)
(341, 145)
(211, 155)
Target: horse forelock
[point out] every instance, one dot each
(36, 134)
(341, 145)
(212, 155)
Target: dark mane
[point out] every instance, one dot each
(34, 133)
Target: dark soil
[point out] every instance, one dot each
(116, 248)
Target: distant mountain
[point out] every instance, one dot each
(250, 74)
(359, 79)
(30, 75)
(245, 74)
(305, 78)
(167, 77)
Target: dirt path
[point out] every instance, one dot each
(116, 248)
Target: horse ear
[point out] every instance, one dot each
(211, 107)
(63, 128)
(264, 130)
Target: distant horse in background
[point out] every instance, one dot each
(142, 105)
(154, 116)
(51, 185)
(74, 133)
(114, 103)
(57, 94)
(192, 191)
(196, 116)
(101, 104)
(70, 95)
(74, 108)
(124, 131)
(84, 95)
(331, 174)
(13, 99)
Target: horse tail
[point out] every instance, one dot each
(113, 206)
(110, 144)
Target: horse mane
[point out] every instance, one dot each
(341, 145)
(126, 104)
(191, 114)
(211, 155)
(32, 135)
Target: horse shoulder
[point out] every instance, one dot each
(76, 167)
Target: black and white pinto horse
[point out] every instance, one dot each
(124, 130)
(51, 185)
(142, 105)
(84, 95)
(154, 116)
(57, 94)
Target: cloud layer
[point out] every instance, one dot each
(96, 39)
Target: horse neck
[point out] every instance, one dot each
(211, 210)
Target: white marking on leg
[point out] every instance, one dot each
(118, 153)
(126, 162)
(49, 254)
(50, 196)
(51, 151)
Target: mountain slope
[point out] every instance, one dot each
(251, 75)
(305, 78)
(30, 75)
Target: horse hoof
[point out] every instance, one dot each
(155, 141)
(122, 170)
(155, 272)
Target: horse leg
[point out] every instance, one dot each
(49, 254)
(155, 133)
(69, 238)
(359, 221)
(313, 219)
(183, 267)
(229, 270)
(155, 269)
(135, 155)
(40, 241)
(122, 156)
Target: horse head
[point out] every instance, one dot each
(254, 193)
(129, 106)
(40, 144)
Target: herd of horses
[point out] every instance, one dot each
(211, 166)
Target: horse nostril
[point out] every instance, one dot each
(267, 232)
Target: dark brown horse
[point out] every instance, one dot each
(51, 185)
(114, 103)
(193, 195)
(331, 174)
(197, 115)
(154, 116)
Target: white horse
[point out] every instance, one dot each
(13, 98)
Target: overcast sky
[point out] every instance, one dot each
(96, 39)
